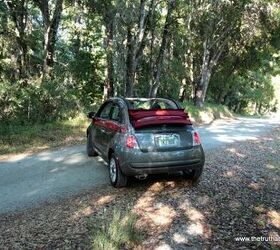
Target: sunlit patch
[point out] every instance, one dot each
(74, 159)
(234, 151)
(195, 229)
(195, 215)
(104, 200)
(198, 226)
(179, 238)
(276, 236)
(229, 173)
(162, 216)
(274, 218)
(255, 186)
(270, 166)
(164, 247)
(82, 212)
(57, 169)
(156, 187)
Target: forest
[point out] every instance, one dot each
(59, 58)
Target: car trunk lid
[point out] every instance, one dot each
(162, 130)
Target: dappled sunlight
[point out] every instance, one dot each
(87, 211)
(255, 186)
(196, 224)
(274, 218)
(180, 238)
(229, 173)
(75, 159)
(275, 235)
(162, 216)
(235, 151)
(105, 200)
(271, 166)
(230, 139)
(58, 169)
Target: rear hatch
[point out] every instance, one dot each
(162, 130)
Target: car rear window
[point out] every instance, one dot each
(151, 104)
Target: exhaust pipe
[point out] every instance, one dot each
(141, 176)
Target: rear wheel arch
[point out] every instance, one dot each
(110, 152)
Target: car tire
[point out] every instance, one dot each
(194, 174)
(117, 178)
(90, 151)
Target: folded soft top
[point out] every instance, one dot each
(141, 118)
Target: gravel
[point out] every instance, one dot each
(238, 196)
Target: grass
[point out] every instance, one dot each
(207, 113)
(116, 231)
(25, 138)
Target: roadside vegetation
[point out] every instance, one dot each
(117, 231)
(17, 138)
(208, 113)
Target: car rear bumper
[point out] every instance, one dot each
(151, 164)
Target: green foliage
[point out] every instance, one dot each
(245, 35)
(117, 232)
(207, 113)
(16, 137)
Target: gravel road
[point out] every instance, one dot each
(29, 180)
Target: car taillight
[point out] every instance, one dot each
(196, 139)
(131, 142)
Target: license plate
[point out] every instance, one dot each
(169, 140)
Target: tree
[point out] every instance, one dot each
(157, 68)
(51, 24)
(19, 14)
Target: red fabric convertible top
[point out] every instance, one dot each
(141, 118)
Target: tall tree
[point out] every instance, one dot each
(217, 24)
(51, 24)
(19, 14)
(136, 44)
(157, 68)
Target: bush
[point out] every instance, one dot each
(35, 102)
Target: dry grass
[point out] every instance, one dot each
(33, 138)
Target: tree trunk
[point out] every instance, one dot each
(201, 89)
(50, 33)
(165, 37)
(19, 16)
(109, 81)
(130, 65)
(135, 47)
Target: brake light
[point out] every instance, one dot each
(196, 139)
(131, 141)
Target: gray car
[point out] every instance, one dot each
(143, 136)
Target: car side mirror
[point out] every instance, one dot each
(91, 115)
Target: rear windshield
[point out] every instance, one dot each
(151, 104)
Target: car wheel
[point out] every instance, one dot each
(117, 178)
(90, 150)
(194, 174)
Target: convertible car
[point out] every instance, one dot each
(143, 136)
